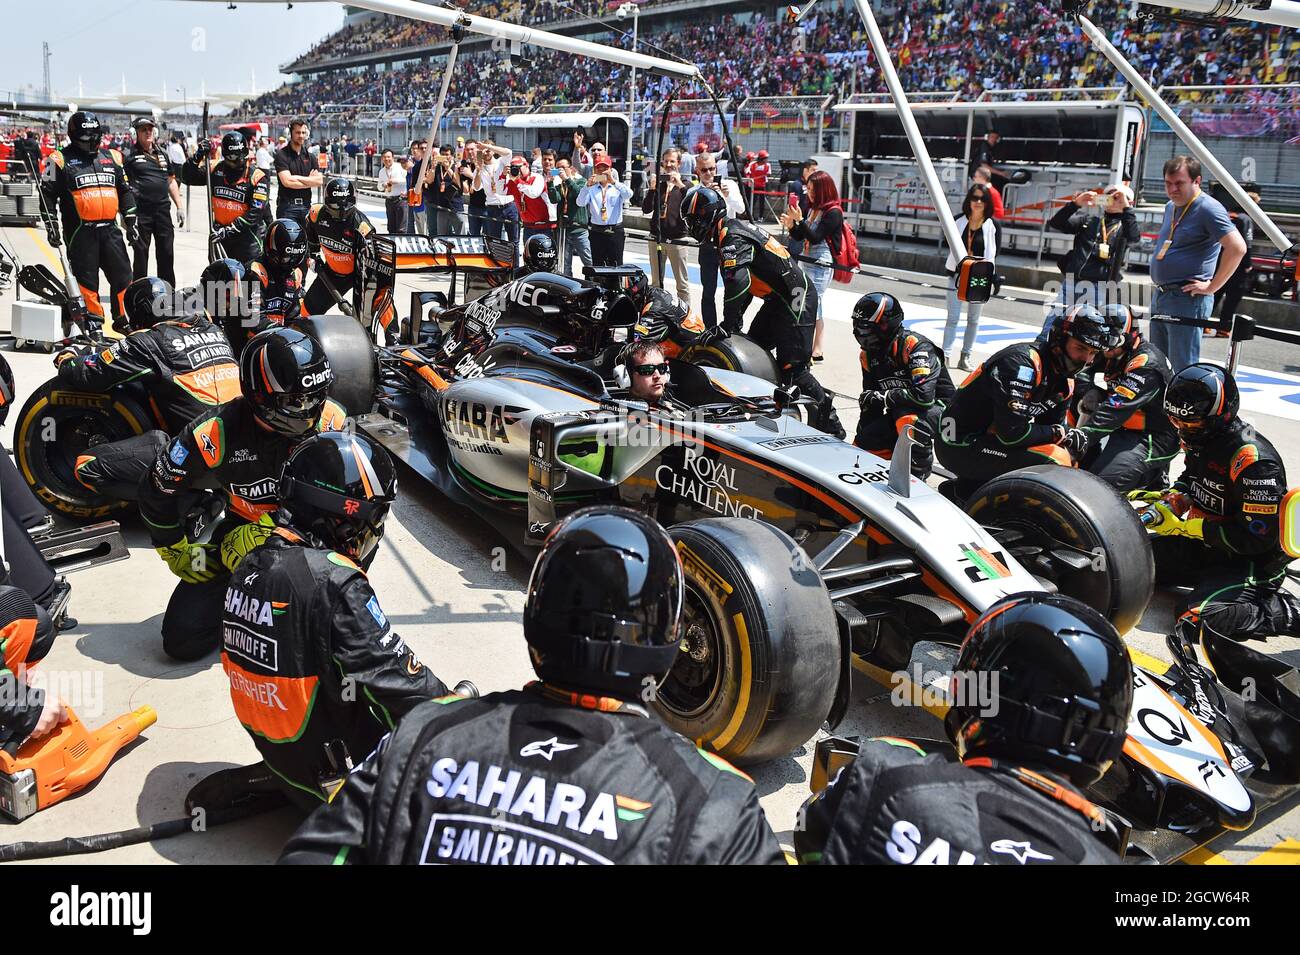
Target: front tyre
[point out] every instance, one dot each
(735, 353)
(760, 652)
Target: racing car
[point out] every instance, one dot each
(801, 552)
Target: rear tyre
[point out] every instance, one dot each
(1075, 530)
(735, 353)
(760, 656)
(351, 354)
(59, 424)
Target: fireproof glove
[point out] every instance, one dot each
(1075, 441)
(52, 234)
(1171, 525)
(192, 563)
(1148, 497)
(132, 227)
(241, 541)
(873, 402)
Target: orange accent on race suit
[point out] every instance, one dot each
(82, 461)
(862, 360)
(16, 638)
(212, 386)
(332, 417)
(91, 296)
(758, 288)
(1137, 421)
(1243, 459)
(776, 248)
(211, 447)
(669, 348)
(1139, 361)
(693, 323)
(95, 203)
(340, 263)
(904, 421)
(1057, 453)
(249, 510)
(275, 707)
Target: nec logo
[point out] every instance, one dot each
(318, 378)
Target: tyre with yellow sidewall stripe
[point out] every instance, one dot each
(760, 656)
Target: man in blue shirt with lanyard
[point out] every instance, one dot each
(604, 197)
(1197, 251)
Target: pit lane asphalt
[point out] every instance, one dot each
(453, 589)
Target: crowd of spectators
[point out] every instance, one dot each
(938, 45)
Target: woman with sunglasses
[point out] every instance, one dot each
(979, 236)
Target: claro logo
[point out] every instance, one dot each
(319, 378)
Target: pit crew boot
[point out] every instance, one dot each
(1288, 620)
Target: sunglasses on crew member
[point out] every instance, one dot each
(648, 370)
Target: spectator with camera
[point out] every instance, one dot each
(563, 187)
(1103, 225)
(605, 197)
(666, 194)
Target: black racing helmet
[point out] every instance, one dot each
(1057, 687)
(702, 209)
(286, 245)
(340, 196)
(234, 148)
(146, 302)
(85, 131)
(337, 487)
(877, 317)
(1085, 324)
(540, 254)
(1201, 401)
(604, 603)
(286, 377)
(636, 286)
(232, 297)
(1122, 324)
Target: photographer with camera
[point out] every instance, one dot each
(604, 198)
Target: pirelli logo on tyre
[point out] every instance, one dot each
(697, 568)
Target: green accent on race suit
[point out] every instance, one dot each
(339, 559)
(449, 698)
(312, 792)
(628, 815)
(1151, 458)
(341, 857)
(717, 762)
(898, 741)
(810, 858)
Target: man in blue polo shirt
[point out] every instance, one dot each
(1196, 253)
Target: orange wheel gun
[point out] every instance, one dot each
(50, 769)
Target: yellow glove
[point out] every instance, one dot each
(1170, 524)
(1148, 497)
(241, 541)
(192, 563)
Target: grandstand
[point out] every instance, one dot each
(748, 50)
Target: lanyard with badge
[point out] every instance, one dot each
(1164, 248)
(1103, 247)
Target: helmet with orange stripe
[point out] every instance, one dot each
(877, 317)
(702, 210)
(1042, 681)
(147, 302)
(285, 375)
(1201, 401)
(1125, 336)
(335, 490)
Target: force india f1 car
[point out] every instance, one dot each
(800, 551)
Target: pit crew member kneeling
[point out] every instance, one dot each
(570, 770)
(1220, 528)
(756, 265)
(1050, 720)
(904, 382)
(26, 711)
(317, 675)
(1129, 414)
(1010, 412)
(184, 362)
(240, 449)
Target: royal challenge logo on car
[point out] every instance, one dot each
(706, 482)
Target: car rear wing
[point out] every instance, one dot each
(469, 253)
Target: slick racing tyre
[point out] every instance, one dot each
(1074, 530)
(734, 353)
(352, 356)
(760, 646)
(56, 426)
